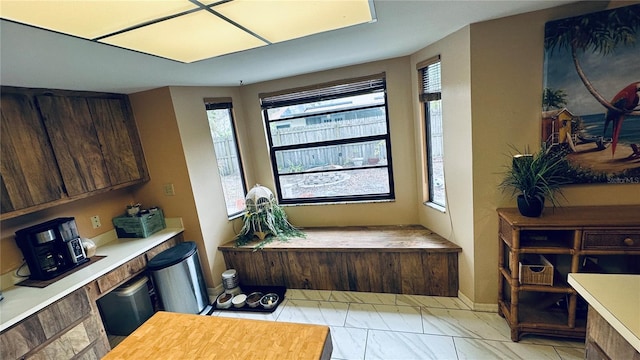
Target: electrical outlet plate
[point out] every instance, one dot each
(95, 221)
(169, 190)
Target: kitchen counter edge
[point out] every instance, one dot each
(604, 293)
(21, 302)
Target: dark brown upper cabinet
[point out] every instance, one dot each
(91, 141)
(75, 143)
(119, 140)
(29, 174)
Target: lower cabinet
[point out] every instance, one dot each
(604, 342)
(71, 328)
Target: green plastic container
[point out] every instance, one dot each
(139, 226)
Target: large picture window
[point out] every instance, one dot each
(225, 144)
(331, 142)
(431, 97)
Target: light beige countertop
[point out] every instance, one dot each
(616, 298)
(21, 301)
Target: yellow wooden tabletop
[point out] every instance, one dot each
(184, 336)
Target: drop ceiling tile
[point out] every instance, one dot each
(90, 19)
(284, 20)
(187, 38)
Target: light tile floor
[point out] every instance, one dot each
(405, 327)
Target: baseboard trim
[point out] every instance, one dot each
(477, 306)
(214, 292)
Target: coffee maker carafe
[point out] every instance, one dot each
(51, 248)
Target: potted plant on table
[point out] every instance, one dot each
(534, 178)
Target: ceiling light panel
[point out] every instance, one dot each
(187, 38)
(90, 18)
(280, 20)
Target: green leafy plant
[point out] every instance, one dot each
(295, 167)
(264, 219)
(540, 175)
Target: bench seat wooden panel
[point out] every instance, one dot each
(408, 238)
(387, 259)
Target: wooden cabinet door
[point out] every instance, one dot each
(75, 143)
(118, 136)
(70, 328)
(28, 171)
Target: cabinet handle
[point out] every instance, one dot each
(628, 241)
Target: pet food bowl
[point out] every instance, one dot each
(253, 300)
(224, 301)
(269, 301)
(239, 300)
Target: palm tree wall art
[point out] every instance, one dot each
(592, 71)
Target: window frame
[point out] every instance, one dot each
(227, 104)
(426, 96)
(287, 98)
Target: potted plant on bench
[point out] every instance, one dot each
(264, 219)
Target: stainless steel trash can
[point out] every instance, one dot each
(178, 280)
(126, 307)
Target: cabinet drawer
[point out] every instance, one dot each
(612, 239)
(119, 275)
(506, 232)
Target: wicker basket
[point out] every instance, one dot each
(535, 270)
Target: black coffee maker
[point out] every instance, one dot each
(51, 248)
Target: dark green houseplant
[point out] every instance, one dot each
(534, 178)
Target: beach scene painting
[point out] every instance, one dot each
(590, 100)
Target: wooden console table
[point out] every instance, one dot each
(597, 239)
(185, 336)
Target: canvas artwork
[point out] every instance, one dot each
(590, 108)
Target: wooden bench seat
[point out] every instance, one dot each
(385, 259)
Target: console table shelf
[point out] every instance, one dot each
(603, 239)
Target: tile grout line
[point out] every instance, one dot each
(422, 307)
(366, 345)
(455, 348)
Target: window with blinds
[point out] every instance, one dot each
(225, 147)
(431, 97)
(330, 142)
